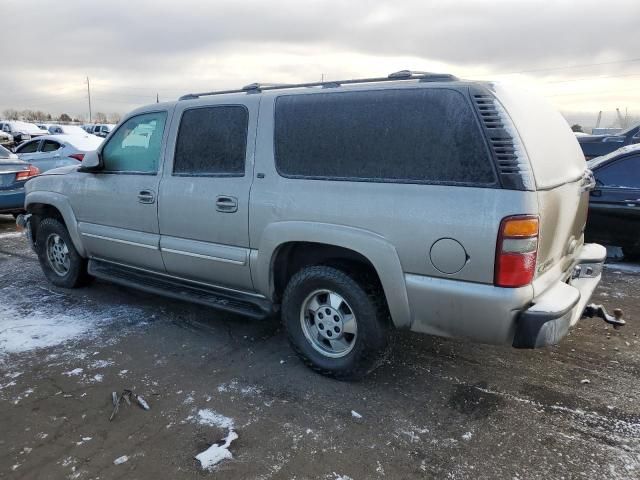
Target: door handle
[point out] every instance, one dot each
(146, 196)
(226, 204)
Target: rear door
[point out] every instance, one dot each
(203, 206)
(614, 208)
(28, 150)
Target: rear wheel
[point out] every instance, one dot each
(339, 327)
(61, 263)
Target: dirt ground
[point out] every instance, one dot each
(437, 408)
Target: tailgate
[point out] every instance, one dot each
(563, 216)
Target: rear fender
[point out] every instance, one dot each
(375, 248)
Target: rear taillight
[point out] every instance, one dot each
(77, 156)
(516, 251)
(32, 172)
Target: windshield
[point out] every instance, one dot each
(596, 162)
(626, 131)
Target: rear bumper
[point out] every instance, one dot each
(12, 201)
(507, 316)
(560, 307)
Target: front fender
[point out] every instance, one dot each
(375, 248)
(61, 203)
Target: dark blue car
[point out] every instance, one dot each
(13, 175)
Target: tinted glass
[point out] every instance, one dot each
(622, 173)
(135, 147)
(50, 146)
(420, 135)
(212, 140)
(29, 147)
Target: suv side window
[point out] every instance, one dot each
(136, 145)
(622, 173)
(424, 135)
(212, 141)
(50, 146)
(29, 147)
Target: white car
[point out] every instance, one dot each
(21, 131)
(52, 151)
(66, 130)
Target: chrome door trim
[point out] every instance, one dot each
(206, 257)
(117, 240)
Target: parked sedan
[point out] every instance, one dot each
(66, 130)
(614, 205)
(52, 151)
(598, 145)
(21, 131)
(13, 174)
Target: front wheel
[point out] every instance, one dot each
(60, 261)
(337, 326)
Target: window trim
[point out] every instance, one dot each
(160, 156)
(37, 141)
(466, 100)
(213, 175)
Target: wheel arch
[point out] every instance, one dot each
(331, 242)
(50, 204)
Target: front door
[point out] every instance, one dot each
(116, 207)
(203, 206)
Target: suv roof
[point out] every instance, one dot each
(392, 77)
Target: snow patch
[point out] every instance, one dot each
(217, 452)
(120, 460)
(73, 373)
(355, 414)
(11, 235)
(214, 419)
(623, 267)
(467, 436)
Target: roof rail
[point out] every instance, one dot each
(392, 77)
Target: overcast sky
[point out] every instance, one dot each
(583, 55)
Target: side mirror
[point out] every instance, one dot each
(91, 162)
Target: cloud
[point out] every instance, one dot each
(134, 49)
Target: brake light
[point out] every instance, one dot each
(25, 175)
(516, 251)
(77, 156)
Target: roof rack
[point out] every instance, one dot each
(392, 77)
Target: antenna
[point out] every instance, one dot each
(89, 96)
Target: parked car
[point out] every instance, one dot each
(52, 151)
(415, 201)
(100, 129)
(13, 175)
(614, 205)
(21, 131)
(6, 139)
(598, 145)
(66, 130)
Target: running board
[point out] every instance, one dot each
(236, 302)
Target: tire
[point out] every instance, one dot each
(347, 353)
(55, 251)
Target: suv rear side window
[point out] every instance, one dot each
(212, 141)
(136, 145)
(413, 135)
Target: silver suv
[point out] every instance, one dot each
(351, 208)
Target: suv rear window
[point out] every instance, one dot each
(409, 135)
(212, 141)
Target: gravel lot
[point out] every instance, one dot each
(437, 409)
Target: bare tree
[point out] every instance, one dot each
(114, 118)
(11, 114)
(100, 117)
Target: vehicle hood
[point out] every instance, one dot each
(61, 170)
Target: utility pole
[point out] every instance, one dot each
(157, 98)
(89, 96)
